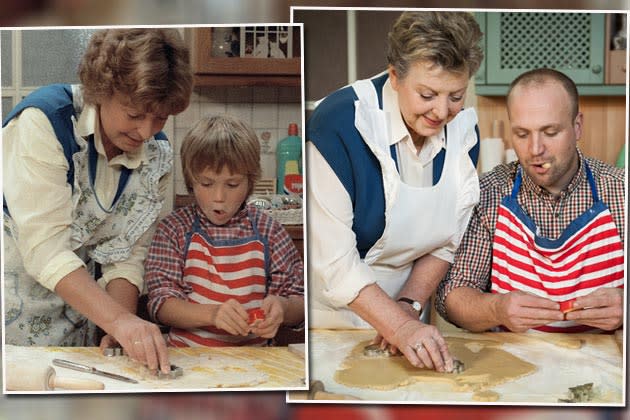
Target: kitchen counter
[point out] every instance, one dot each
(225, 368)
(599, 360)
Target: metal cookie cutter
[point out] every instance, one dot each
(175, 372)
(458, 366)
(113, 351)
(375, 350)
(579, 394)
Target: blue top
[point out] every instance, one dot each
(56, 102)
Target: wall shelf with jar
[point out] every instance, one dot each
(616, 48)
(246, 55)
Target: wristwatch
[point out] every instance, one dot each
(417, 306)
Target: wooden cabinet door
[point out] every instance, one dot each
(569, 42)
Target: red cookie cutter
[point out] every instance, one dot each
(567, 306)
(256, 316)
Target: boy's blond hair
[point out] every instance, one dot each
(218, 141)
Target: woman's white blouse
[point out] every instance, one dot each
(34, 169)
(330, 209)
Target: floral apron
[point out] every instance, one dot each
(36, 316)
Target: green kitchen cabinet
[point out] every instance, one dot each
(515, 42)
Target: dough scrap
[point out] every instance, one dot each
(487, 366)
(567, 343)
(485, 396)
(232, 377)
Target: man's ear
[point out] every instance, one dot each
(578, 125)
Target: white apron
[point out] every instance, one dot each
(418, 220)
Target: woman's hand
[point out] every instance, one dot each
(423, 346)
(141, 341)
(274, 307)
(231, 316)
(108, 341)
(382, 342)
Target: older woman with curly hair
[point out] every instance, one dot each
(84, 173)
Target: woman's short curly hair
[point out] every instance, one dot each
(447, 39)
(149, 66)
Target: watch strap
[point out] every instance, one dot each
(417, 306)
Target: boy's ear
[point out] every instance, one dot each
(251, 183)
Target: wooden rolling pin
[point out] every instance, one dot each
(44, 378)
(317, 392)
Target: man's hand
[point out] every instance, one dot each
(601, 309)
(519, 311)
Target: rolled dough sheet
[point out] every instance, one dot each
(201, 372)
(486, 365)
(228, 372)
(558, 340)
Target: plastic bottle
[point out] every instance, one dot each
(289, 163)
(621, 160)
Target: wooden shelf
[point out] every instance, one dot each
(615, 59)
(238, 71)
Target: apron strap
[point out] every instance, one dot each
(591, 182)
(589, 176)
(125, 173)
(517, 183)
(438, 160)
(393, 153)
(365, 90)
(265, 243)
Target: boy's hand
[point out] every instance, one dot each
(274, 317)
(232, 317)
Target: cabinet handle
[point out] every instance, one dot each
(597, 69)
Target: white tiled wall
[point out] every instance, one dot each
(269, 110)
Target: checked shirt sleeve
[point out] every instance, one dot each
(286, 269)
(473, 258)
(164, 265)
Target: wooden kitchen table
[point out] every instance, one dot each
(599, 360)
(205, 369)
